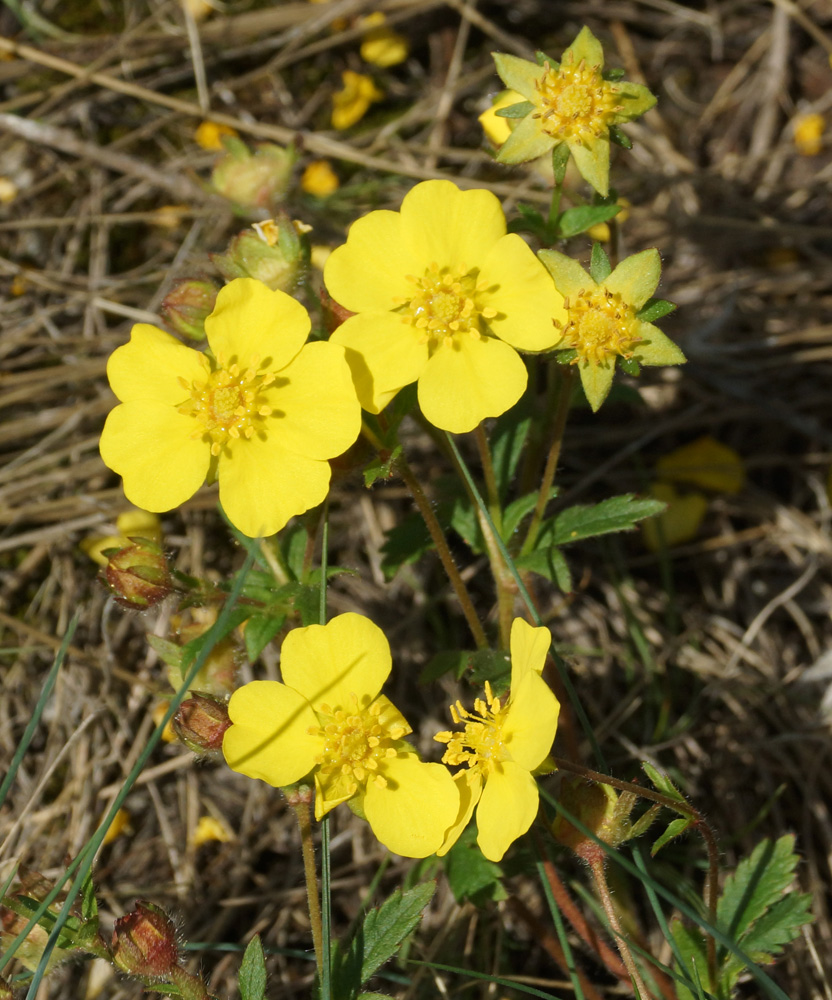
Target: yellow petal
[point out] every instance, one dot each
(531, 721)
(470, 381)
(329, 664)
(319, 414)
(384, 355)
(150, 446)
(369, 272)
(523, 294)
(637, 277)
(209, 829)
(331, 790)
(381, 46)
(319, 179)
(593, 161)
(269, 737)
(498, 129)
(262, 484)
(469, 788)
(139, 523)
(704, 462)
(443, 225)
(679, 523)
(94, 546)
(151, 365)
(808, 134)
(412, 811)
(252, 324)
(121, 825)
(529, 649)
(507, 808)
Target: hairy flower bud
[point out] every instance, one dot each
(200, 723)
(144, 942)
(138, 574)
(601, 809)
(253, 180)
(187, 304)
(274, 252)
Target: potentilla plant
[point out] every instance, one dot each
(438, 310)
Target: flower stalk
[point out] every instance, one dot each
(300, 804)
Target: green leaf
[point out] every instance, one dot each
(560, 159)
(492, 665)
(404, 543)
(620, 138)
(662, 782)
(252, 979)
(691, 946)
(599, 264)
(293, 541)
(471, 876)
(260, 630)
(519, 110)
(629, 366)
(766, 939)
(654, 309)
(549, 562)
(759, 881)
(674, 829)
(449, 661)
(373, 996)
(507, 440)
(381, 466)
(517, 510)
(578, 220)
(619, 513)
(385, 927)
(308, 602)
(89, 904)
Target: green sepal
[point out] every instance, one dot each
(674, 829)
(620, 138)
(519, 110)
(599, 264)
(654, 309)
(381, 467)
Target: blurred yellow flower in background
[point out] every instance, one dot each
(209, 830)
(209, 135)
(134, 523)
(319, 179)
(808, 134)
(381, 45)
(350, 104)
(704, 462)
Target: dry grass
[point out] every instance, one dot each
(706, 677)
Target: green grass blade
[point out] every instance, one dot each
(29, 732)
(557, 920)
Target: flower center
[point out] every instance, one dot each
(229, 404)
(480, 744)
(600, 325)
(357, 741)
(445, 305)
(575, 102)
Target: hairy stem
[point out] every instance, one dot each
(304, 817)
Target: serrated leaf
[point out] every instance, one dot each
(308, 603)
(620, 138)
(507, 441)
(385, 927)
(619, 513)
(654, 309)
(519, 110)
(549, 562)
(517, 510)
(252, 979)
(690, 943)
(759, 881)
(170, 653)
(578, 220)
(471, 876)
(674, 829)
(381, 466)
(599, 264)
(259, 632)
(293, 541)
(662, 782)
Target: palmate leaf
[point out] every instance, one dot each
(765, 940)
(614, 514)
(759, 881)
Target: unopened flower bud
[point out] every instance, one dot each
(187, 304)
(144, 942)
(138, 574)
(200, 723)
(600, 808)
(274, 252)
(253, 180)
(5, 990)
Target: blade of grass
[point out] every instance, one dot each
(29, 732)
(521, 589)
(497, 980)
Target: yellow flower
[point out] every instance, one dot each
(679, 523)
(319, 179)
(209, 829)
(262, 413)
(8, 191)
(602, 322)
(445, 297)
(350, 104)
(704, 462)
(501, 746)
(498, 129)
(570, 102)
(133, 523)
(121, 825)
(808, 134)
(329, 717)
(381, 46)
(209, 134)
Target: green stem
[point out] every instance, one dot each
(438, 536)
(506, 590)
(567, 378)
(491, 490)
(597, 867)
(300, 805)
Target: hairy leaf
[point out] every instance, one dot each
(252, 980)
(615, 514)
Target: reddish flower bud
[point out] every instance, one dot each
(187, 304)
(601, 809)
(200, 723)
(144, 942)
(253, 180)
(138, 574)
